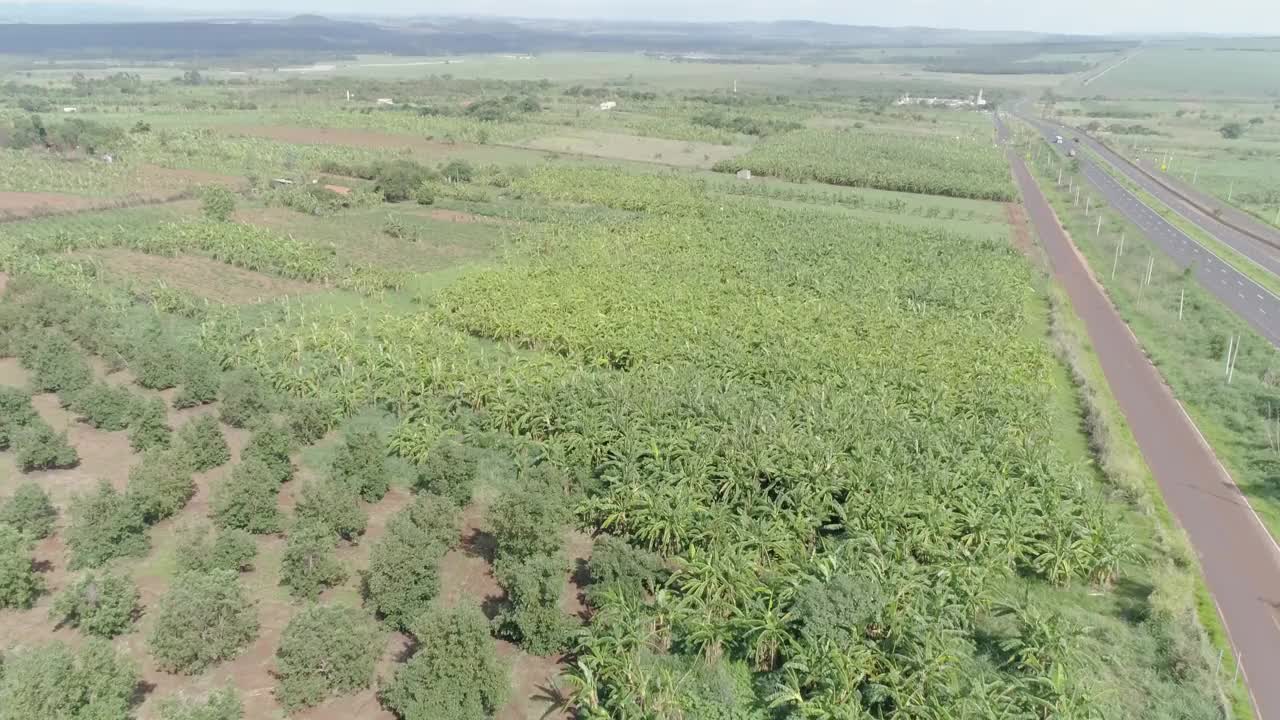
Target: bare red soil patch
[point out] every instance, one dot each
(15, 205)
(1021, 229)
(458, 216)
(201, 276)
(182, 177)
(342, 136)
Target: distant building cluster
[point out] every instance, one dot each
(971, 101)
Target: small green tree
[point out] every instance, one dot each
(232, 550)
(332, 505)
(360, 463)
(217, 203)
(271, 446)
(310, 418)
(105, 525)
(199, 383)
(326, 650)
(223, 704)
(403, 576)
(101, 604)
(56, 364)
(245, 399)
(16, 413)
(54, 681)
(29, 511)
(309, 564)
(201, 442)
(397, 180)
(38, 447)
(532, 615)
(20, 585)
(1232, 131)
(158, 363)
(160, 485)
(455, 673)
(530, 520)
(203, 620)
(105, 406)
(247, 499)
(458, 171)
(449, 471)
(618, 567)
(149, 426)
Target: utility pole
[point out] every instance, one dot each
(1231, 341)
(1088, 201)
(1231, 191)
(1195, 175)
(1116, 263)
(1077, 200)
(1060, 185)
(1182, 298)
(1098, 232)
(1231, 368)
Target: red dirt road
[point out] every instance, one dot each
(1241, 562)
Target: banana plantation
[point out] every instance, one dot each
(821, 445)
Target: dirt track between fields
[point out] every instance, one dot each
(1240, 560)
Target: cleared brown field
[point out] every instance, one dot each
(616, 146)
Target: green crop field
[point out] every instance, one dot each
(500, 404)
(1195, 72)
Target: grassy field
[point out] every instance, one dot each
(1194, 72)
(499, 351)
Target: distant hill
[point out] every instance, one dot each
(432, 35)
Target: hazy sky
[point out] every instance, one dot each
(1076, 16)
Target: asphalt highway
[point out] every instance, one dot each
(1251, 301)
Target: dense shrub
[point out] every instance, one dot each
(403, 575)
(397, 180)
(455, 673)
(20, 585)
(158, 363)
(105, 406)
(271, 446)
(56, 364)
(29, 511)
(217, 203)
(334, 506)
(310, 418)
(149, 427)
(529, 520)
(245, 399)
(309, 564)
(360, 463)
(232, 550)
(326, 651)
(618, 567)
(457, 171)
(835, 612)
(38, 447)
(160, 485)
(247, 499)
(54, 682)
(16, 413)
(221, 704)
(532, 615)
(200, 382)
(105, 525)
(101, 604)
(202, 444)
(449, 470)
(205, 618)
